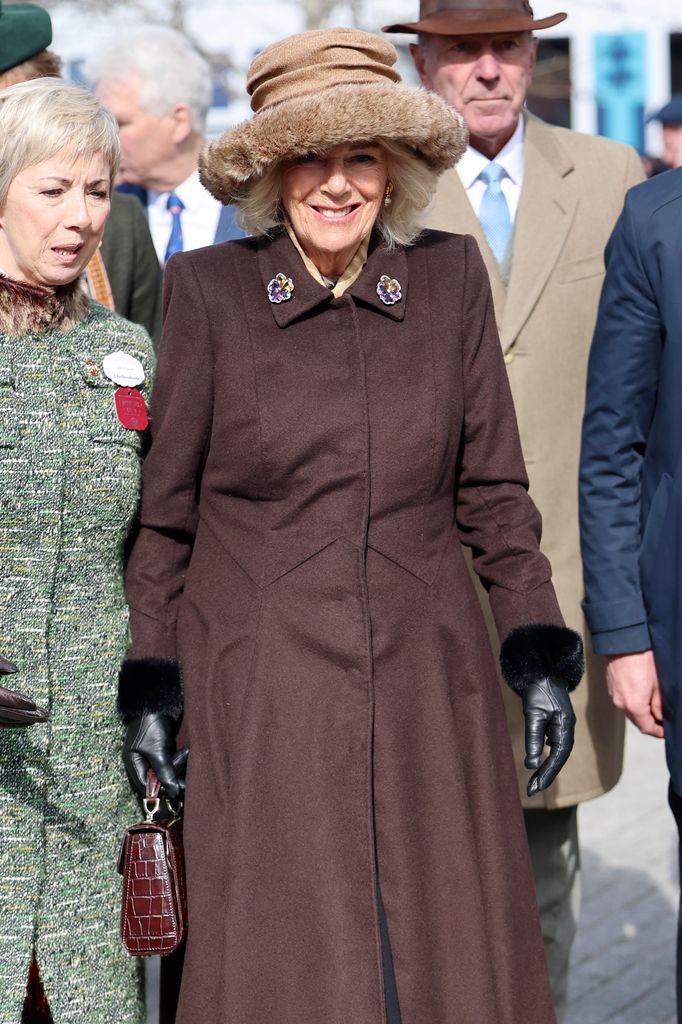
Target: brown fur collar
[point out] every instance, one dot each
(420, 120)
(25, 307)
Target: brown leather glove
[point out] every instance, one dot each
(15, 709)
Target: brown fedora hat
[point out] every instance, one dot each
(473, 17)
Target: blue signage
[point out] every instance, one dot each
(620, 86)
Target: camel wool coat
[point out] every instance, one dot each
(315, 466)
(572, 193)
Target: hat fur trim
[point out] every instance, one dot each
(420, 120)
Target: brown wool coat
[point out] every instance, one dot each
(314, 467)
(573, 191)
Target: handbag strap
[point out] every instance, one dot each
(153, 785)
(152, 800)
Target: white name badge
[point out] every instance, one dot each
(123, 369)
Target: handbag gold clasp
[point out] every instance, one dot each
(151, 807)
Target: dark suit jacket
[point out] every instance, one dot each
(227, 227)
(630, 478)
(132, 265)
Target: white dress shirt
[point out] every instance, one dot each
(471, 163)
(199, 218)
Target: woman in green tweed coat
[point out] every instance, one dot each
(69, 481)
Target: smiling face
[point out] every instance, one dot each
(53, 218)
(332, 201)
(484, 77)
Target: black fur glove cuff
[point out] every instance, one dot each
(535, 652)
(150, 686)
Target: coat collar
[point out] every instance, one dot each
(544, 217)
(279, 256)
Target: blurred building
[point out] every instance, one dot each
(603, 70)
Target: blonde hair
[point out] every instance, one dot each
(42, 117)
(259, 209)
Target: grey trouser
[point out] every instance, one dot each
(554, 851)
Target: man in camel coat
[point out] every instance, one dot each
(563, 193)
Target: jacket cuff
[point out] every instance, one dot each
(150, 686)
(535, 652)
(627, 640)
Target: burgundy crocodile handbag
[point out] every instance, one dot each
(153, 906)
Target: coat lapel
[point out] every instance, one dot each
(278, 256)
(544, 217)
(451, 210)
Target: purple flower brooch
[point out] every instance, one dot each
(280, 289)
(389, 290)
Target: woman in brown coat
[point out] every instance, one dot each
(331, 421)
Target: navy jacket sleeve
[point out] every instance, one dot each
(622, 385)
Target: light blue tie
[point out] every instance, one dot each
(493, 212)
(176, 206)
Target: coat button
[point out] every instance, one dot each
(509, 357)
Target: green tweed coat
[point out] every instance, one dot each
(69, 481)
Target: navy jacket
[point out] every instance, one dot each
(227, 226)
(630, 474)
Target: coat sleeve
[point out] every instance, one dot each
(622, 384)
(494, 512)
(181, 416)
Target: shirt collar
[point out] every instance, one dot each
(188, 191)
(471, 163)
(349, 275)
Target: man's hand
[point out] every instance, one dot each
(634, 688)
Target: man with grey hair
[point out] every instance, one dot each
(159, 89)
(541, 201)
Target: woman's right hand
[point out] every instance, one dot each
(150, 743)
(16, 710)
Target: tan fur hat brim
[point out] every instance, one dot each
(420, 120)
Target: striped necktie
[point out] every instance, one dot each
(493, 212)
(175, 206)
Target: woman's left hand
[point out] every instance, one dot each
(549, 717)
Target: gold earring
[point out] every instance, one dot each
(387, 194)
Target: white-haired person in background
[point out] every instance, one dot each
(159, 89)
(70, 455)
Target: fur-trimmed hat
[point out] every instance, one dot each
(319, 89)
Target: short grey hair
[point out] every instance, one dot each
(42, 117)
(168, 67)
(414, 184)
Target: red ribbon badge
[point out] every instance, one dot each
(130, 408)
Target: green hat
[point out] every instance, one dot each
(25, 29)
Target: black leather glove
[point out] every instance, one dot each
(543, 663)
(549, 714)
(16, 710)
(150, 743)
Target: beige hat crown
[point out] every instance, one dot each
(322, 88)
(303, 64)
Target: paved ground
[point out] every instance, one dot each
(623, 958)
